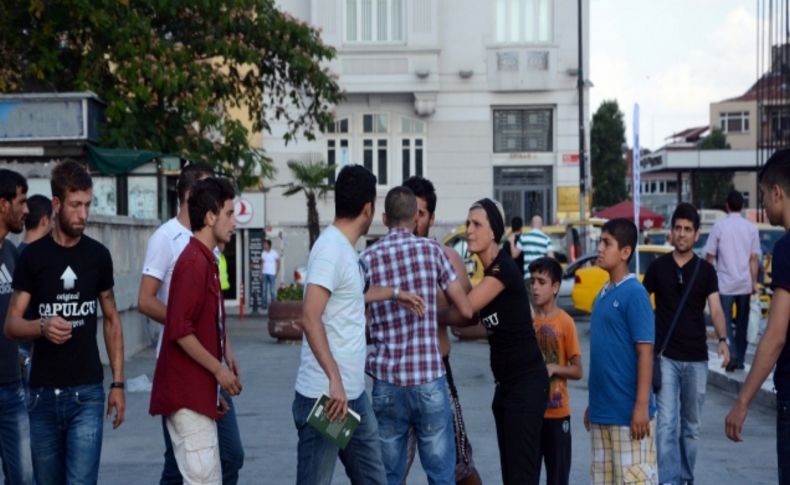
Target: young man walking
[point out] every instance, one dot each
(190, 368)
(409, 382)
(270, 266)
(14, 429)
(684, 360)
(333, 347)
(62, 275)
(164, 248)
(773, 348)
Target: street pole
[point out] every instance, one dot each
(582, 150)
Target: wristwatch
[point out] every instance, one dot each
(395, 293)
(723, 339)
(117, 385)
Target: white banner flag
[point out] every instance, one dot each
(636, 179)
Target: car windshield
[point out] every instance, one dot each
(659, 238)
(645, 258)
(700, 244)
(769, 237)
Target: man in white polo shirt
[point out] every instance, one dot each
(270, 260)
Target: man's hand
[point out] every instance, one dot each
(640, 423)
(587, 419)
(724, 353)
(116, 400)
(755, 288)
(552, 369)
(233, 364)
(222, 408)
(228, 380)
(733, 423)
(412, 302)
(337, 408)
(57, 330)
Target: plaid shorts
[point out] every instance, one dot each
(617, 459)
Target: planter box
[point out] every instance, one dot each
(285, 320)
(472, 332)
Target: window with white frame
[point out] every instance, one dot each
(412, 147)
(734, 122)
(525, 21)
(523, 130)
(337, 146)
(375, 130)
(374, 21)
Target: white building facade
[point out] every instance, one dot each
(478, 96)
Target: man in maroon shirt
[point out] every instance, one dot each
(190, 369)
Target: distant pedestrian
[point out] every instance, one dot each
(14, 424)
(270, 267)
(191, 365)
(518, 367)
(62, 275)
(559, 344)
(682, 339)
(38, 221)
(733, 245)
(534, 244)
(333, 346)
(621, 409)
(774, 348)
(409, 378)
(512, 242)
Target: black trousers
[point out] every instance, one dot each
(518, 413)
(555, 448)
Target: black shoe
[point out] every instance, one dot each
(739, 365)
(730, 367)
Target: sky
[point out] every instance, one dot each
(673, 57)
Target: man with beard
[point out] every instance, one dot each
(62, 276)
(14, 434)
(465, 472)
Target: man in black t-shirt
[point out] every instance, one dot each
(684, 362)
(64, 277)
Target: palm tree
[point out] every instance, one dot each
(313, 180)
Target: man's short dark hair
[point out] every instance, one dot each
(400, 205)
(624, 232)
(69, 176)
(355, 187)
(268, 241)
(190, 175)
(10, 181)
(547, 265)
(422, 187)
(516, 224)
(734, 201)
(208, 195)
(38, 208)
(686, 211)
(776, 171)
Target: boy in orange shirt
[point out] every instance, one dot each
(556, 334)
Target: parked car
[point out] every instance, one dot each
(569, 274)
(589, 281)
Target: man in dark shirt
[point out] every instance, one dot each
(62, 276)
(773, 348)
(684, 363)
(14, 433)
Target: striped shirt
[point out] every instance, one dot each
(533, 245)
(406, 347)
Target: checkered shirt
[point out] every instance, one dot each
(406, 349)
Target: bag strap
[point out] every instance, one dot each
(680, 306)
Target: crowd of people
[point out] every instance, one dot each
(648, 367)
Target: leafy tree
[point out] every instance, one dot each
(312, 179)
(171, 71)
(711, 188)
(608, 166)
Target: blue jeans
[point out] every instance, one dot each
(679, 418)
(269, 289)
(231, 451)
(316, 456)
(783, 440)
(15, 435)
(736, 335)
(66, 426)
(426, 408)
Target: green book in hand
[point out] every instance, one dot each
(338, 432)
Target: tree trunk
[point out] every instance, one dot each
(313, 227)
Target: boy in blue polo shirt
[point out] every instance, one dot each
(621, 409)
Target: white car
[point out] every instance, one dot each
(569, 274)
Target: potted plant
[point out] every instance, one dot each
(285, 314)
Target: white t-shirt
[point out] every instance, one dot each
(269, 259)
(164, 248)
(334, 265)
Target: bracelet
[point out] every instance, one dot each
(395, 293)
(117, 385)
(43, 319)
(722, 339)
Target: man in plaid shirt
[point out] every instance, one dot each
(410, 387)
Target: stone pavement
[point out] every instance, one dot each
(133, 453)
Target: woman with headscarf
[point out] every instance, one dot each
(519, 371)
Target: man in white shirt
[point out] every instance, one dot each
(164, 248)
(334, 347)
(270, 263)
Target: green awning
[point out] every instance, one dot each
(118, 161)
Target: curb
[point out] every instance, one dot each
(731, 382)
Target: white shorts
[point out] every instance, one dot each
(196, 447)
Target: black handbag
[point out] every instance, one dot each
(657, 355)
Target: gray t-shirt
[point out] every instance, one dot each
(9, 352)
